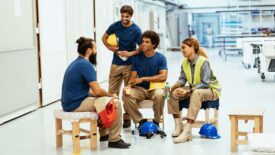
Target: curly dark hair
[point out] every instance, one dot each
(153, 36)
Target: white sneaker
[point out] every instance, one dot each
(178, 127)
(186, 135)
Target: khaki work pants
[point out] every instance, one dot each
(114, 131)
(117, 75)
(196, 99)
(139, 94)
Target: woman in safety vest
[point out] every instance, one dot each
(196, 81)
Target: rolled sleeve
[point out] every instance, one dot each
(110, 29)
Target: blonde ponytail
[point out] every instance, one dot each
(202, 52)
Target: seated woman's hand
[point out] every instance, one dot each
(173, 87)
(180, 92)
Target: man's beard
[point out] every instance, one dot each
(92, 59)
(127, 22)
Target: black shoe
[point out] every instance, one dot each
(126, 123)
(119, 144)
(157, 123)
(141, 122)
(104, 138)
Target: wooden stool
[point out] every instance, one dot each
(207, 106)
(207, 119)
(248, 113)
(148, 104)
(76, 118)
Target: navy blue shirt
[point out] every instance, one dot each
(148, 66)
(75, 87)
(129, 38)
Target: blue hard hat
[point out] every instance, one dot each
(209, 131)
(147, 128)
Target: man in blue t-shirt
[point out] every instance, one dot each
(128, 37)
(148, 67)
(80, 91)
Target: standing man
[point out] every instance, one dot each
(79, 79)
(209, 32)
(148, 66)
(128, 36)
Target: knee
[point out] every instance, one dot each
(117, 103)
(196, 93)
(126, 97)
(158, 94)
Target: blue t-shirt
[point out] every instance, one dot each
(129, 38)
(76, 81)
(148, 66)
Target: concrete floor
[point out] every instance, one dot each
(34, 133)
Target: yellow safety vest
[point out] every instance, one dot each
(214, 84)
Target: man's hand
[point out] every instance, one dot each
(135, 81)
(115, 96)
(125, 54)
(113, 48)
(127, 90)
(138, 81)
(129, 54)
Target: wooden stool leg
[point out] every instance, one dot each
(257, 124)
(93, 134)
(216, 117)
(261, 124)
(207, 120)
(59, 136)
(234, 133)
(76, 137)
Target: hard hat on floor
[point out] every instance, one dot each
(148, 127)
(209, 131)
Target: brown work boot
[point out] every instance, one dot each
(119, 144)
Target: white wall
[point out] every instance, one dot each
(18, 59)
(79, 22)
(61, 23)
(173, 27)
(152, 16)
(104, 18)
(53, 48)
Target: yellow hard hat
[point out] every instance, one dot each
(112, 40)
